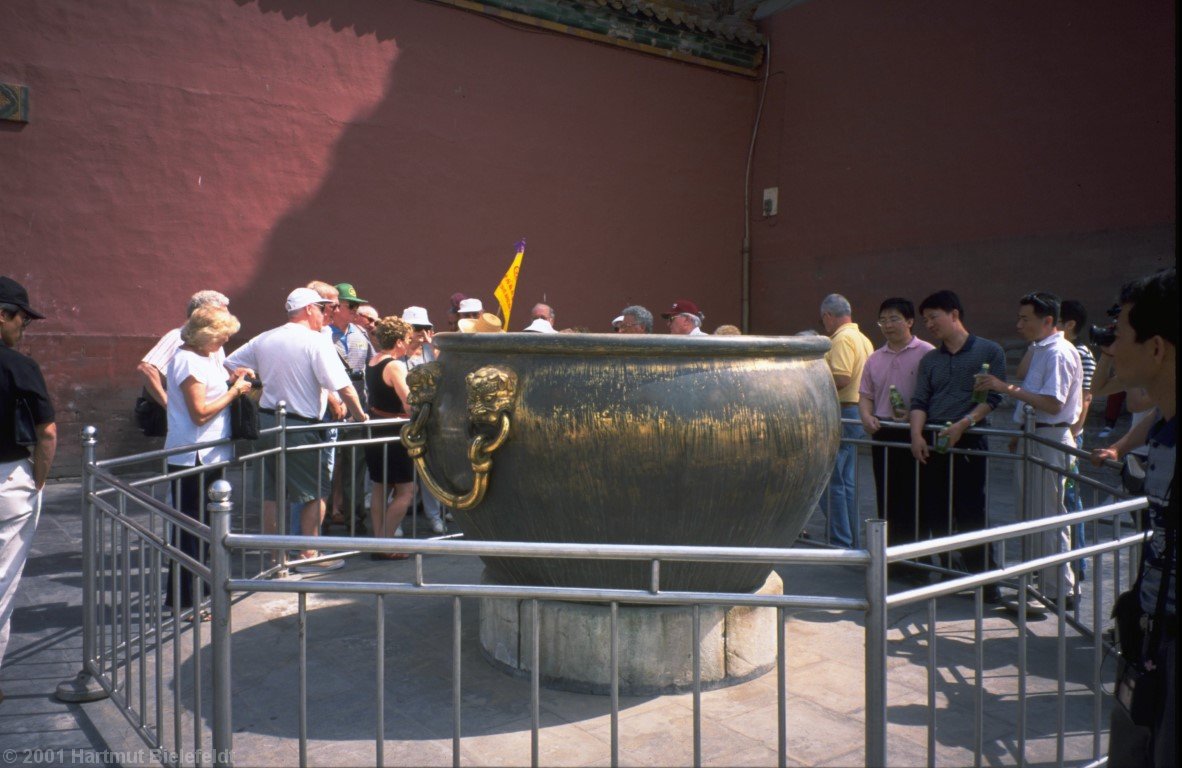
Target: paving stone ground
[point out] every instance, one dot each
(825, 680)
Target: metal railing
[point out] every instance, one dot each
(137, 650)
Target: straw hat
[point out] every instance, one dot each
(486, 323)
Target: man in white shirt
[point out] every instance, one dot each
(297, 364)
(1053, 386)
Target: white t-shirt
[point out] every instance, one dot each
(208, 370)
(295, 364)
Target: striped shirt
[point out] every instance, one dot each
(944, 383)
(1088, 360)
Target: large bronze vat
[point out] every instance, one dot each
(720, 441)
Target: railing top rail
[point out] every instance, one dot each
(547, 550)
(952, 586)
(191, 525)
(1012, 530)
(580, 594)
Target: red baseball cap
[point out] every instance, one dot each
(682, 307)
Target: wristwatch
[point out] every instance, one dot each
(972, 421)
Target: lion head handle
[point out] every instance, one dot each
(423, 382)
(490, 393)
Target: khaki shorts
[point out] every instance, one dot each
(308, 476)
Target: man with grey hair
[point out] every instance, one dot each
(684, 318)
(634, 319)
(153, 365)
(846, 358)
(543, 312)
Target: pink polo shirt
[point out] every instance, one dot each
(886, 367)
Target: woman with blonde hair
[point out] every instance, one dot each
(389, 464)
(198, 396)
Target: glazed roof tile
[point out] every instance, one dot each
(729, 19)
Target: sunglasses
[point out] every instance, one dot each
(421, 327)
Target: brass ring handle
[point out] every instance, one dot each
(491, 391)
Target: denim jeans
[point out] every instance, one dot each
(1073, 500)
(843, 500)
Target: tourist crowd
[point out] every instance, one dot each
(337, 358)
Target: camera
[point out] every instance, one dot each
(254, 382)
(1103, 335)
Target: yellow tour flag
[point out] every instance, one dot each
(508, 284)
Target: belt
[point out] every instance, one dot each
(381, 414)
(291, 415)
(1042, 424)
(845, 404)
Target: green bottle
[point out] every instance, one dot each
(942, 440)
(898, 407)
(979, 395)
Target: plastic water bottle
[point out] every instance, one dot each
(979, 395)
(897, 405)
(942, 440)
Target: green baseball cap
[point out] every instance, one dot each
(348, 293)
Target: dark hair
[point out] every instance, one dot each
(1071, 309)
(1154, 310)
(904, 307)
(1044, 304)
(945, 300)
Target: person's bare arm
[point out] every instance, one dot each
(43, 453)
(1134, 438)
(1024, 365)
(866, 410)
(989, 382)
(351, 402)
(1078, 426)
(201, 411)
(919, 446)
(153, 382)
(1104, 380)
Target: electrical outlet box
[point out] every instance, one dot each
(771, 201)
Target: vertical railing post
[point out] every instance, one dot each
(84, 686)
(1028, 428)
(876, 636)
(281, 469)
(219, 508)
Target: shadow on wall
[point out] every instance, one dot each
(487, 132)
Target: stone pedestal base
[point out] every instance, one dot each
(655, 650)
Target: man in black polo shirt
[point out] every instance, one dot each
(944, 397)
(26, 427)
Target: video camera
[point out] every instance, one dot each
(1103, 335)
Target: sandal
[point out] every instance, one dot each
(201, 616)
(324, 566)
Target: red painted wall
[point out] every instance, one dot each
(992, 148)
(253, 145)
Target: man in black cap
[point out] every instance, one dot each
(28, 440)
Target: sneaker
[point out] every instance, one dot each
(438, 527)
(1104, 433)
(398, 532)
(322, 567)
(447, 516)
(991, 595)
